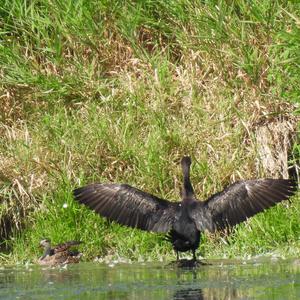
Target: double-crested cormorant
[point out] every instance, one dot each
(185, 220)
(60, 254)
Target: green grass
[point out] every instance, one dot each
(118, 92)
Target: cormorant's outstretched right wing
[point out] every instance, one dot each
(239, 201)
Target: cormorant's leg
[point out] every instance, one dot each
(194, 255)
(177, 254)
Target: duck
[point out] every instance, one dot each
(184, 222)
(59, 254)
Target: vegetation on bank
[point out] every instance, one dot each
(118, 91)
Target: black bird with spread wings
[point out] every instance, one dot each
(185, 220)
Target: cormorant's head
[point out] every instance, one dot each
(186, 161)
(187, 189)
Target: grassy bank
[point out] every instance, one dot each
(119, 91)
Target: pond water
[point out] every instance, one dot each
(255, 279)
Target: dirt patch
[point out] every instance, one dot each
(275, 139)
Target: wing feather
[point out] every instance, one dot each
(240, 201)
(65, 246)
(128, 206)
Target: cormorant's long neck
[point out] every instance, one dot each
(187, 191)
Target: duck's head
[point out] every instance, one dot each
(45, 243)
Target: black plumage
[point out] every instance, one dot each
(185, 220)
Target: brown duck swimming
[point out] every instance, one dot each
(60, 254)
(184, 221)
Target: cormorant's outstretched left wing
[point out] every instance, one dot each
(128, 206)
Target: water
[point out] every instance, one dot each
(256, 279)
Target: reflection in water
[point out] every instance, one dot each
(220, 280)
(189, 294)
